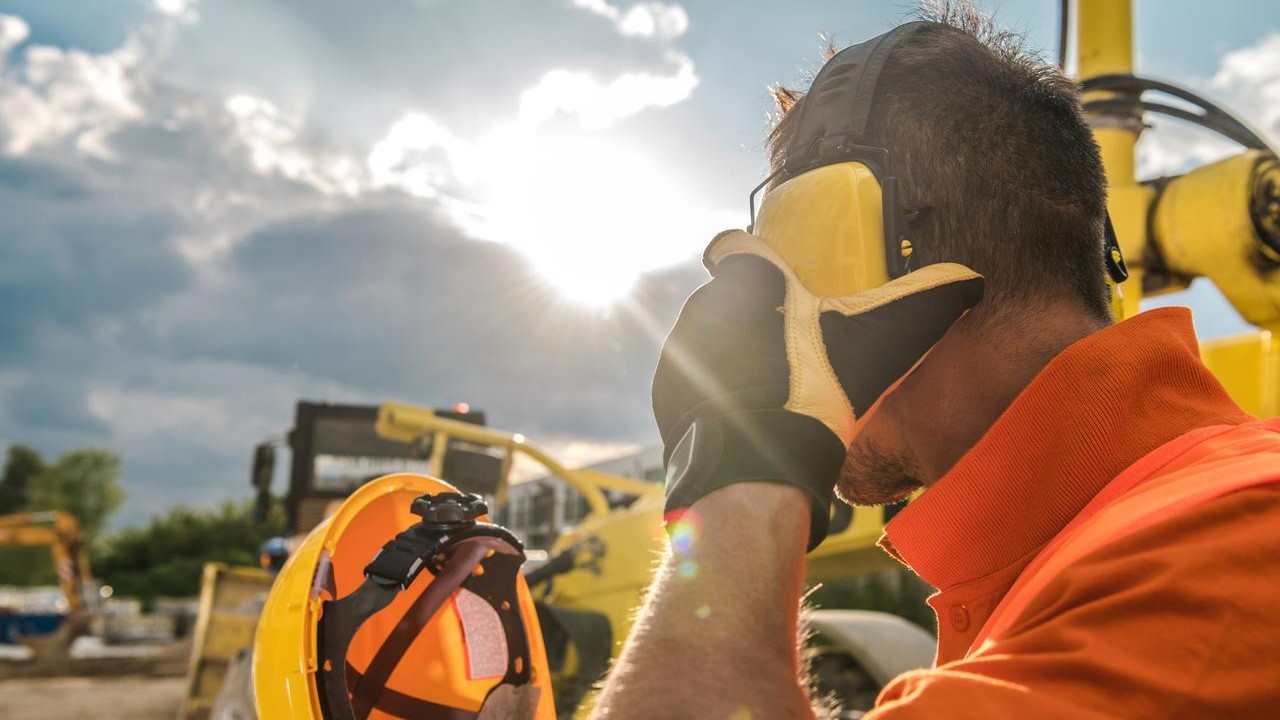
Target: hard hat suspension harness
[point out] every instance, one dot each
(461, 553)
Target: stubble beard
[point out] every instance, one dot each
(873, 475)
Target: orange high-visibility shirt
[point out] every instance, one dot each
(1177, 619)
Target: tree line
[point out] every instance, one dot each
(161, 559)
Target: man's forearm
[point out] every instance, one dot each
(717, 634)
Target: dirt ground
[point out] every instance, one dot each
(101, 698)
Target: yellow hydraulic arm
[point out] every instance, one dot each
(411, 423)
(1220, 221)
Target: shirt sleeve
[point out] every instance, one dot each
(1178, 620)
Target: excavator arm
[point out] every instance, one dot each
(59, 532)
(1220, 221)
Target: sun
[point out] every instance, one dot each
(587, 282)
(591, 214)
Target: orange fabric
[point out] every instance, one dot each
(1147, 625)
(1238, 458)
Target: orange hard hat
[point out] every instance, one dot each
(406, 603)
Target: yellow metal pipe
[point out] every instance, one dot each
(1105, 37)
(439, 445)
(1104, 42)
(408, 423)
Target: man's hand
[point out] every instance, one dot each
(755, 395)
(760, 380)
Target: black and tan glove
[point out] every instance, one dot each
(760, 380)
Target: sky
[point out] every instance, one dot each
(209, 210)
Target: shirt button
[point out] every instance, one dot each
(959, 618)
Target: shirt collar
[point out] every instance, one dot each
(1096, 408)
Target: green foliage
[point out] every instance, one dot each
(165, 558)
(896, 591)
(83, 482)
(21, 464)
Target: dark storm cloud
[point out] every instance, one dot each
(393, 302)
(71, 254)
(41, 180)
(52, 403)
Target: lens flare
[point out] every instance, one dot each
(682, 531)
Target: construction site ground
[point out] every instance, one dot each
(129, 697)
(137, 687)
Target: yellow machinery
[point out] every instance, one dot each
(59, 532)
(230, 602)
(1220, 222)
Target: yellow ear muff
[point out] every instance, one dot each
(828, 225)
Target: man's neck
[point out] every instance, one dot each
(973, 375)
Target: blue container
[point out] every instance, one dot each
(16, 627)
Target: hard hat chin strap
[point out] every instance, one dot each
(463, 554)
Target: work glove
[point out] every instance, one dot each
(760, 380)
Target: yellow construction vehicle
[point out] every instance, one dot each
(49, 634)
(230, 602)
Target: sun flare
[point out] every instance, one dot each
(591, 215)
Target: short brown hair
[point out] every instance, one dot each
(994, 139)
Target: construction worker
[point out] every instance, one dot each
(1101, 520)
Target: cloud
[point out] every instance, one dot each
(598, 105)
(1247, 84)
(645, 19)
(13, 30)
(43, 403)
(1251, 75)
(184, 10)
(419, 156)
(274, 146)
(53, 95)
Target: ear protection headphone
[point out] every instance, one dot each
(834, 212)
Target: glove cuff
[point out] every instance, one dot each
(776, 446)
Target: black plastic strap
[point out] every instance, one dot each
(408, 706)
(835, 111)
(339, 623)
(400, 560)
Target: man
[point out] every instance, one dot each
(1102, 522)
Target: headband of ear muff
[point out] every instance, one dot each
(831, 124)
(831, 120)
